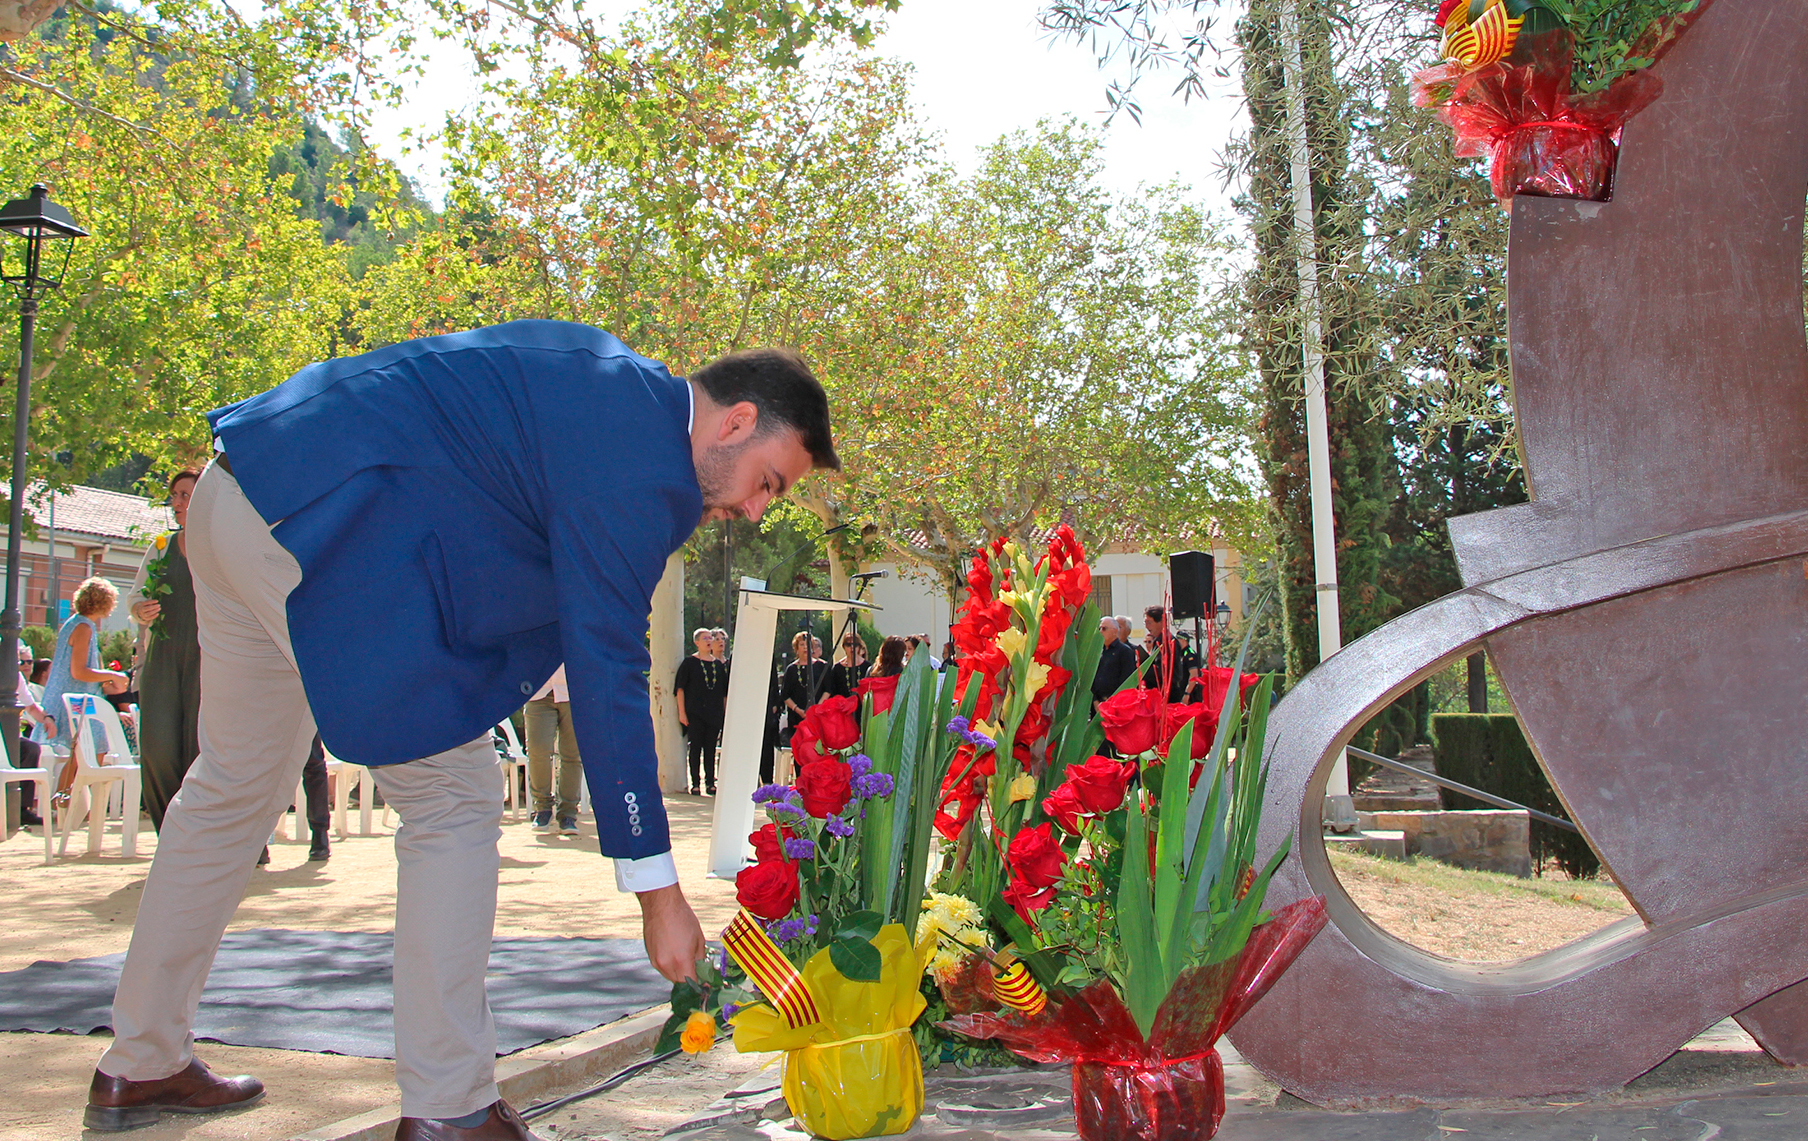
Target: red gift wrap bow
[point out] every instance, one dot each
(1094, 1025)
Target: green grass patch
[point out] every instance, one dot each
(1598, 894)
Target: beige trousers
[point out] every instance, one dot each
(255, 733)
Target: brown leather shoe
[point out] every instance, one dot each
(503, 1124)
(115, 1104)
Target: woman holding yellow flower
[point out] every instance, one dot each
(169, 675)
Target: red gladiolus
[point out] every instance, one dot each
(836, 721)
(1098, 785)
(883, 689)
(768, 889)
(825, 786)
(1132, 720)
(1034, 856)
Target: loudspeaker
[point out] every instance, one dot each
(1192, 572)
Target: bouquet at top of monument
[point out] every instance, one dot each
(1544, 87)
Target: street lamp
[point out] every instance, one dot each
(1222, 617)
(44, 225)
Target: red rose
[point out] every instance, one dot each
(1027, 900)
(1098, 785)
(768, 889)
(883, 689)
(1034, 856)
(835, 720)
(1064, 808)
(768, 843)
(1205, 725)
(1130, 720)
(1217, 682)
(806, 747)
(825, 786)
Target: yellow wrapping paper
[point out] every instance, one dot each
(855, 1073)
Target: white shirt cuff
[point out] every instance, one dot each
(647, 874)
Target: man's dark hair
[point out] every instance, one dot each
(779, 383)
(1155, 612)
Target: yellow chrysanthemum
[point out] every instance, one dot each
(699, 1033)
(962, 912)
(1023, 786)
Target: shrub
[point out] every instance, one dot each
(41, 639)
(1489, 751)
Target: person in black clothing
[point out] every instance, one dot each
(893, 653)
(1177, 666)
(769, 744)
(702, 689)
(849, 668)
(1117, 661)
(800, 689)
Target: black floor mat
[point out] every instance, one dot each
(329, 991)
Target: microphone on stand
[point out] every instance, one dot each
(782, 562)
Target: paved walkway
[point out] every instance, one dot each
(1720, 1087)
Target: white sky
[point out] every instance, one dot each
(982, 69)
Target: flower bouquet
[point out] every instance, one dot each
(1130, 914)
(1544, 87)
(822, 962)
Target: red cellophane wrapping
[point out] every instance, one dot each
(968, 988)
(1169, 1086)
(1542, 139)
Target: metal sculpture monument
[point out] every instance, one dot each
(1647, 612)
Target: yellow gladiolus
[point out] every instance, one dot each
(699, 1033)
(1023, 786)
(1011, 641)
(1038, 678)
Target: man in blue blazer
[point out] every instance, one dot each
(400, 548)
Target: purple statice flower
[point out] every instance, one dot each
(981, 740)
(783, 810)
(836, 826)
(771, 793)
(860, 764)
(722, 964)
(730, 1009)
(786, 930)
(873, 785)
(799, 848)
(957, 725)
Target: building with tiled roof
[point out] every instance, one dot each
(96, 532)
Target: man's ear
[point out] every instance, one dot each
(739, 423)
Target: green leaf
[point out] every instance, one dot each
(1144, 981)
(857, 959)
(861, 925)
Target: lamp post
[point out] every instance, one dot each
(39, 221)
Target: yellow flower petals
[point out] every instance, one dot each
(699, 1033)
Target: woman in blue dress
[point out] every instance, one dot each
(75, 664)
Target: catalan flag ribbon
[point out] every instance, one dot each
(1487, 38)
(1017, 990)
(767, 966)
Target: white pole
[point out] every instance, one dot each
(1338, 809)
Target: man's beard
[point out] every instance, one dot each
(715, 475)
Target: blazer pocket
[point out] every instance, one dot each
(488, 592)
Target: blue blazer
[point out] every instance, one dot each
(468, 511)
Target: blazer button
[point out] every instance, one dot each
(527, 688)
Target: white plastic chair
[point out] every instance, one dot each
(84, 709)
(513, 760)
(350, 772)
(39, 777)
(299, 805)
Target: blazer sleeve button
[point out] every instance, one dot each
(527, 688)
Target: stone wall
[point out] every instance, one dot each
(1491, 840)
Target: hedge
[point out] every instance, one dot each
(1489, 751)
